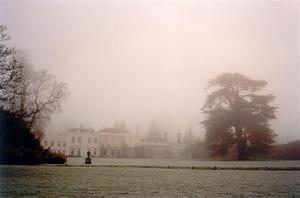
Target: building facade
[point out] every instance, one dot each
(111, 142)
(108, 142)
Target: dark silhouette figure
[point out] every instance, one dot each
(88, 160)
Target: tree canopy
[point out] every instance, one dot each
(238, 116)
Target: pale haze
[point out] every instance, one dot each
(151, 61)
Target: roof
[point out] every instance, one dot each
(81, 130)
(112, 130)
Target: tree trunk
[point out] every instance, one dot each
(241, 144)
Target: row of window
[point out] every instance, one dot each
(58, 144)
(111, 152)
(78, 153)
(79, 140)
(112, 137)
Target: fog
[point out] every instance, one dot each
(150, 61)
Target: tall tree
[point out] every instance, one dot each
(154, 133)
(238, 117)
(31, 95)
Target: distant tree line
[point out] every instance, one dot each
(288, 151)
(27, 100)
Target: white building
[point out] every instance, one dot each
(112, 142)
(57, 144)
(80, 141)
(117, 143)
(107, 142)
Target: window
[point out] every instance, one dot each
(95, 152)
(73, 139)
(72, 152)
(64, 144)
(78, 152)
(58, 143)
(89, 140)
(95, 140)
(79, 139)
(52, 143)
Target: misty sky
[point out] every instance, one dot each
(145, 61)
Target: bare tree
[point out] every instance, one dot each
(41, 95)
(32, 95)
(10, 72)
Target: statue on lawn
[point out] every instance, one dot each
(88, 160)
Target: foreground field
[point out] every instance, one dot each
(184, 162)
(55, 181)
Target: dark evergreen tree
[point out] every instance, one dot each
(15, 134)
(19, 146)
(237, 116)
